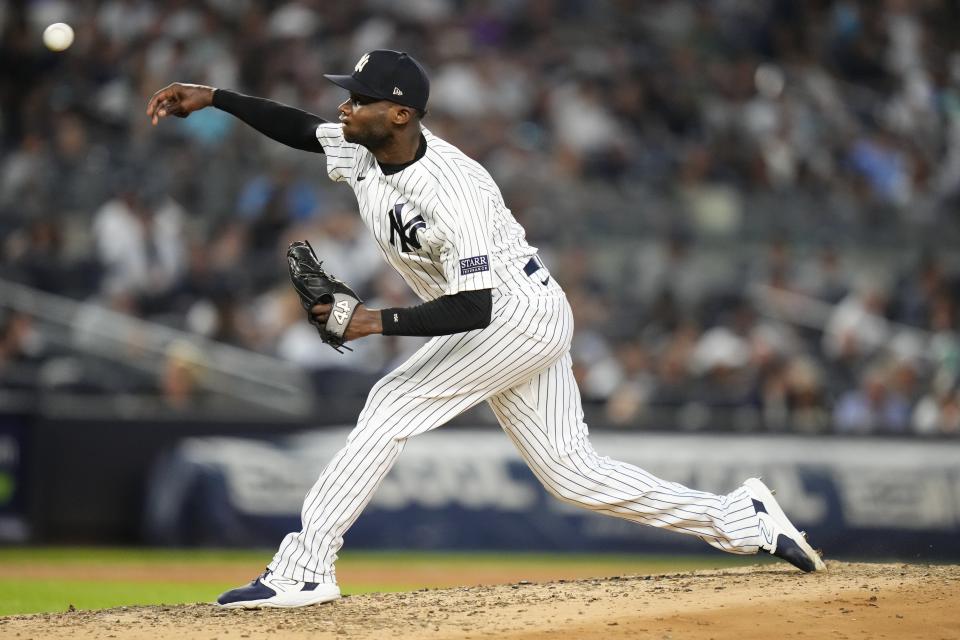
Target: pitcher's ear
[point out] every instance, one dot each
(400, 114)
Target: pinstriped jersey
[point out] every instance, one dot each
(441, 221)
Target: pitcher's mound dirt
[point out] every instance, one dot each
(846, 601)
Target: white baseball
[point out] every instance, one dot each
(58, 36)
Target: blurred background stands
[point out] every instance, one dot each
(752, 206)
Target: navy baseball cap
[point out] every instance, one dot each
(387, 75)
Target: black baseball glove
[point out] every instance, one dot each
(316, 286)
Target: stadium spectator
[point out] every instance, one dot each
(139, 240)
(872, 408)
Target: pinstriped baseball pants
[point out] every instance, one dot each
(521, 365)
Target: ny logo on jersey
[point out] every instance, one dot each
(406, 232)
(362, 63)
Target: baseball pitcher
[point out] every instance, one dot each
(501, 329)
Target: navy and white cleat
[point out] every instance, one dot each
(271, 590)
(777, 533)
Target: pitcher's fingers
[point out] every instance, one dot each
(160, 98)
(159, 111)
(154, 101)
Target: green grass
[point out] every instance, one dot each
(127, 555)
(19, 595)
(36, 596)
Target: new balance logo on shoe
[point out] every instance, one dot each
(766, 533)
(778, 535)
(286, 582)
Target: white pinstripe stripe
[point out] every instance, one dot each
(565, 421)
(569, 491)
(584, 484)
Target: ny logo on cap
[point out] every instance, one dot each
(362, 63)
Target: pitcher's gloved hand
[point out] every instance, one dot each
(315, 286)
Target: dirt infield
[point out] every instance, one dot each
(846, 601)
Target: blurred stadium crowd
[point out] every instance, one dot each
(683, 166)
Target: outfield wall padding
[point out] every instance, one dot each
(469, 489)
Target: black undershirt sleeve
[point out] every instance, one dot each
(464, 311)
(289, 125)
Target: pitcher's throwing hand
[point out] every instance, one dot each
(179, 100)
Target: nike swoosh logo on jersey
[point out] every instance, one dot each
(361, 178)
(544, 282)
